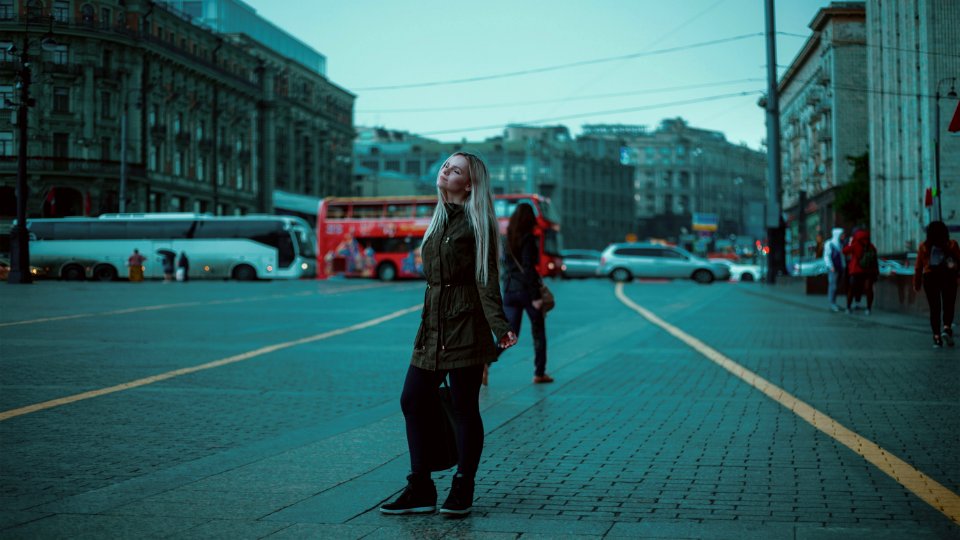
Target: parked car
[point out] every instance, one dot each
(888, 267)
(579, 262)
(623, 262)
(812, 267)
(741, 272)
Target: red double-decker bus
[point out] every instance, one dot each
(380, 236)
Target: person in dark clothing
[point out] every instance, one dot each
(168, 260)
(521, 286)
(461, 328)
(938, 262)
(863, 269)
(183, 267)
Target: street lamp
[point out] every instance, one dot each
(19, 239)
(951, 94)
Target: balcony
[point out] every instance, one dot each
(97, 167)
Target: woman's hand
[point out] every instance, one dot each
(537, 304)
(508, 340)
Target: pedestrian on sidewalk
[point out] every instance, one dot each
(938, 262)
(168, 264)
(521, 287)
(836, 266)
(462, 315)
(183, 267)
(135, 266)
(864, 268)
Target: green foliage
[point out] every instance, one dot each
(853, 198)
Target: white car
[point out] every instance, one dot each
(741, 272)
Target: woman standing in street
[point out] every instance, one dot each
(462, 326)
(521, 287)
(938, 261)
(863, 269)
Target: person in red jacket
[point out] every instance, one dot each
(863, 269)
(938, 262)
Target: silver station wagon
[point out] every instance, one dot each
(624, 262)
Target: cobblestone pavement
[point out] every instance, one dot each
(640, 437)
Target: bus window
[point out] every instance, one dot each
(71, 231)
(336, 212)
(218, 229)
(424, 209)
(285, 252)
(398, 210)
(367, 211)
(42, 230)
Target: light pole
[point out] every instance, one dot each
(19, 238)
(951, 94)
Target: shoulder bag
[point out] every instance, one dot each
(549, 301)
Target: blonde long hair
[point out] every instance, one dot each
(479, 210)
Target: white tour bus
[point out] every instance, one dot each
(238, 247)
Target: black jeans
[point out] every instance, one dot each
(420, 400)
(514, 304)
(941, 289)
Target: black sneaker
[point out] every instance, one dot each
(419, 497)
(937, 342)
(948, 336)
(460, 500)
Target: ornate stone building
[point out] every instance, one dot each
(213, 122)
(823, 120)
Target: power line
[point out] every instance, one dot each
(564, 66)
(601, 113)
(558, 100)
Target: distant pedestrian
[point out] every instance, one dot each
(183, 267)
(461, 326)
(521, 286)
(836, 266)
(135, 266)
(168, 264)
(864, 268)
(938, 263)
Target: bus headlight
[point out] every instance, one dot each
(304, 266)
(206, 268)
(550, 265)
(269, 268)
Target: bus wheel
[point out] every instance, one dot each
(104, 272)
(244, 272)
(387, 272)
(74, 272)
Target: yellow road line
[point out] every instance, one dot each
(12, 413)
(921, 485)
(348, 288)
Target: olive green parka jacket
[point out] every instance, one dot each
(462, 319)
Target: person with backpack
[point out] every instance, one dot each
(864, 268)
(836, 266)
(938, 261)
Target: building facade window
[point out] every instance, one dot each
(221, 173)
(106, 104)
(61, 145)
(6, 97)
(105, 17)
(152, 158)
(61, 11)
(240, 179)
(177, 163)
(61, 99)
(6, 143)
(201, 167)
(61, 55)
(6, 10)
(105, 150)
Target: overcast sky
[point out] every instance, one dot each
(547, 62)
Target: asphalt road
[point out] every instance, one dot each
(207, 409)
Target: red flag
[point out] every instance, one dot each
(928, 198)
(955, 123)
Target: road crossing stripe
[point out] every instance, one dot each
(921, 485)
(13, 413)
(348, 288)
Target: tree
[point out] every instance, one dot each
(853, 198)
